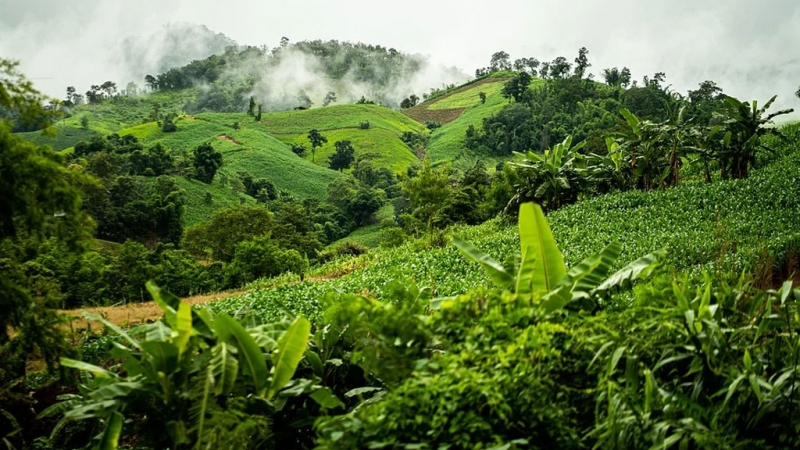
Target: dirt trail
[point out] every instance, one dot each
(225, 137)
(134, 313)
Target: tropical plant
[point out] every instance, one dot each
(551, 178)
(193, 380)
(748, 124)
(541, 275)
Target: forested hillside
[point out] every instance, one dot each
(533, 258)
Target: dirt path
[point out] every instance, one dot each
(134, 313)
(225, 137)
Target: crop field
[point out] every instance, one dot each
(337, 123)
(248, 149)
(65, 137)
(727, 225)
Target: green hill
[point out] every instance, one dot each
(64, 138)
(248, 149)
(458, 110)
(342, 122)
(116, 114)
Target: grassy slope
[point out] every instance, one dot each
(250, 149)
(447, 143)
(731, 223)
(65, 137)
(114, 115)
(342, 123)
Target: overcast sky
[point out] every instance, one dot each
(750, 47)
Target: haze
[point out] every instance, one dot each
(747, 46)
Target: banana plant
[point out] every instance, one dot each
(550, 177)
(747, 124)
(192, 378)
(542, 276)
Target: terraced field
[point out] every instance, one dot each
(337, 123)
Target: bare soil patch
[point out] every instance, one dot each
(225, 137)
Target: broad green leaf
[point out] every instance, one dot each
(325, 398)
(534, 232)
(183, 326)
(91, 368)
(493, 269)
(163, 356)
(229, 329)
(113, 327)
(632, 120)
(527, 266)
(224, 368)
(109, 440)
(591, 272)
(633, 271)
(166, 301)
(291, 347)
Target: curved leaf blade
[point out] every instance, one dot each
(229, 329)
(291, 347)
(534, 232)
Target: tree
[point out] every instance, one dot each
(85, 122)
(206, 162)
(343, 156)
(582, 62)
(258, 114)
(428, 194)
(299, 150)
(559, 67)
(303, 100)
(409, 102)
(500, 61)
(550, 178)
(517, 87)
(39, 202)
(317, 140)
(617, 78)
(151, 82)
(330, 97)
(251, 108)
(746, 124)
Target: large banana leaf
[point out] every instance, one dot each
(113, 327)
(224, 368)
(534, 233)
(580, 281)
(109, 440)
(183, 326)
(253, 360)
(86, 367)
(291, 347)
(637, 269)
(493, 269)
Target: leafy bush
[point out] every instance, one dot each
(194, 380)
(432, 125)
(364, 125)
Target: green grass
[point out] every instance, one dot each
(256, 152)
(468, 98)
(113, 115)
(197, 209)
(65, 137)
(342, 122)
(732, 225)
(447, 143)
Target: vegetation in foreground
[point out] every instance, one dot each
(528, 349)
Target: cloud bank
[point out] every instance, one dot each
(747, 46)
